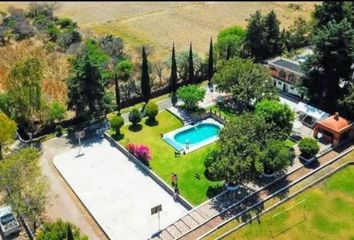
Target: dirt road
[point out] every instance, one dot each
(62, 201)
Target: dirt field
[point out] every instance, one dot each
(158, 24)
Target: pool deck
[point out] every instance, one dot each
(169, 137)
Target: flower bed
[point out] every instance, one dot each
(140, 151)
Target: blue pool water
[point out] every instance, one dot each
(198, 133)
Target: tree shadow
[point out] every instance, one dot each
(135, 128)
(245, 205)
(214, 190)
(151, 122)
(117, 137)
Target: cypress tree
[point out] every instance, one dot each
(173, 78)
(273, 34)
(145, 78)
(228, 52)
(190, 65)
(70, 235)
(211, 61)
(256, 37)
(117, 92)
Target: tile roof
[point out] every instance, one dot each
(288, 65)
(335, 124)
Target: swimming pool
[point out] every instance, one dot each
(192, 137)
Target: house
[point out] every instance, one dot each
(286, 74)
(334, 129)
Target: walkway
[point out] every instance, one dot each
(226, 205)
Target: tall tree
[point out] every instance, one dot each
(26, 187)
(173, 77)
(248, 82)
(347, 102)
(328, 11)
(116, 88)
(211, 61)
(85, 88)
(278, 115)
(191, 78)
(7, 131)
(228, 52)
(69, 234)
(182, 60)
(273, 34)
(246, 148)
(24, 90)
(328, 72)
(229, 41)
(298, 34)
(256, 38)
(145, 78)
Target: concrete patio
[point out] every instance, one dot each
(117, 193)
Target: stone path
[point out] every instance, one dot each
(181, 114)
(226, 205)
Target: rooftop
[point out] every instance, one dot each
(287, 64)
(335, 123)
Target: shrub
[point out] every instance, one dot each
(309, 147)
(151, 110)
(59, 230)
(56, 111)
(190, 95)
(135, 116)
(124, 69)
(116, 123)
(68, 37)
(58, 130)
(113, 46)
(142, 152)
(66, 22)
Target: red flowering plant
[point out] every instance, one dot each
(141, 151)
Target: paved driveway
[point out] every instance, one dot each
(116, 191)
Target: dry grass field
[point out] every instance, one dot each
(55, 66)
(158, 24)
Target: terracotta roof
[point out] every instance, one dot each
(336, 124)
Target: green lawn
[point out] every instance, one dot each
(224, 112)
(164, 163)
(323, 212)
(289, 143)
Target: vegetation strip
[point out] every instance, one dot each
(281, 190)
(284, 200)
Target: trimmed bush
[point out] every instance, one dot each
(135, 116)
(151, 110)
(58, 130)
(309, 147)
(116, 123)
